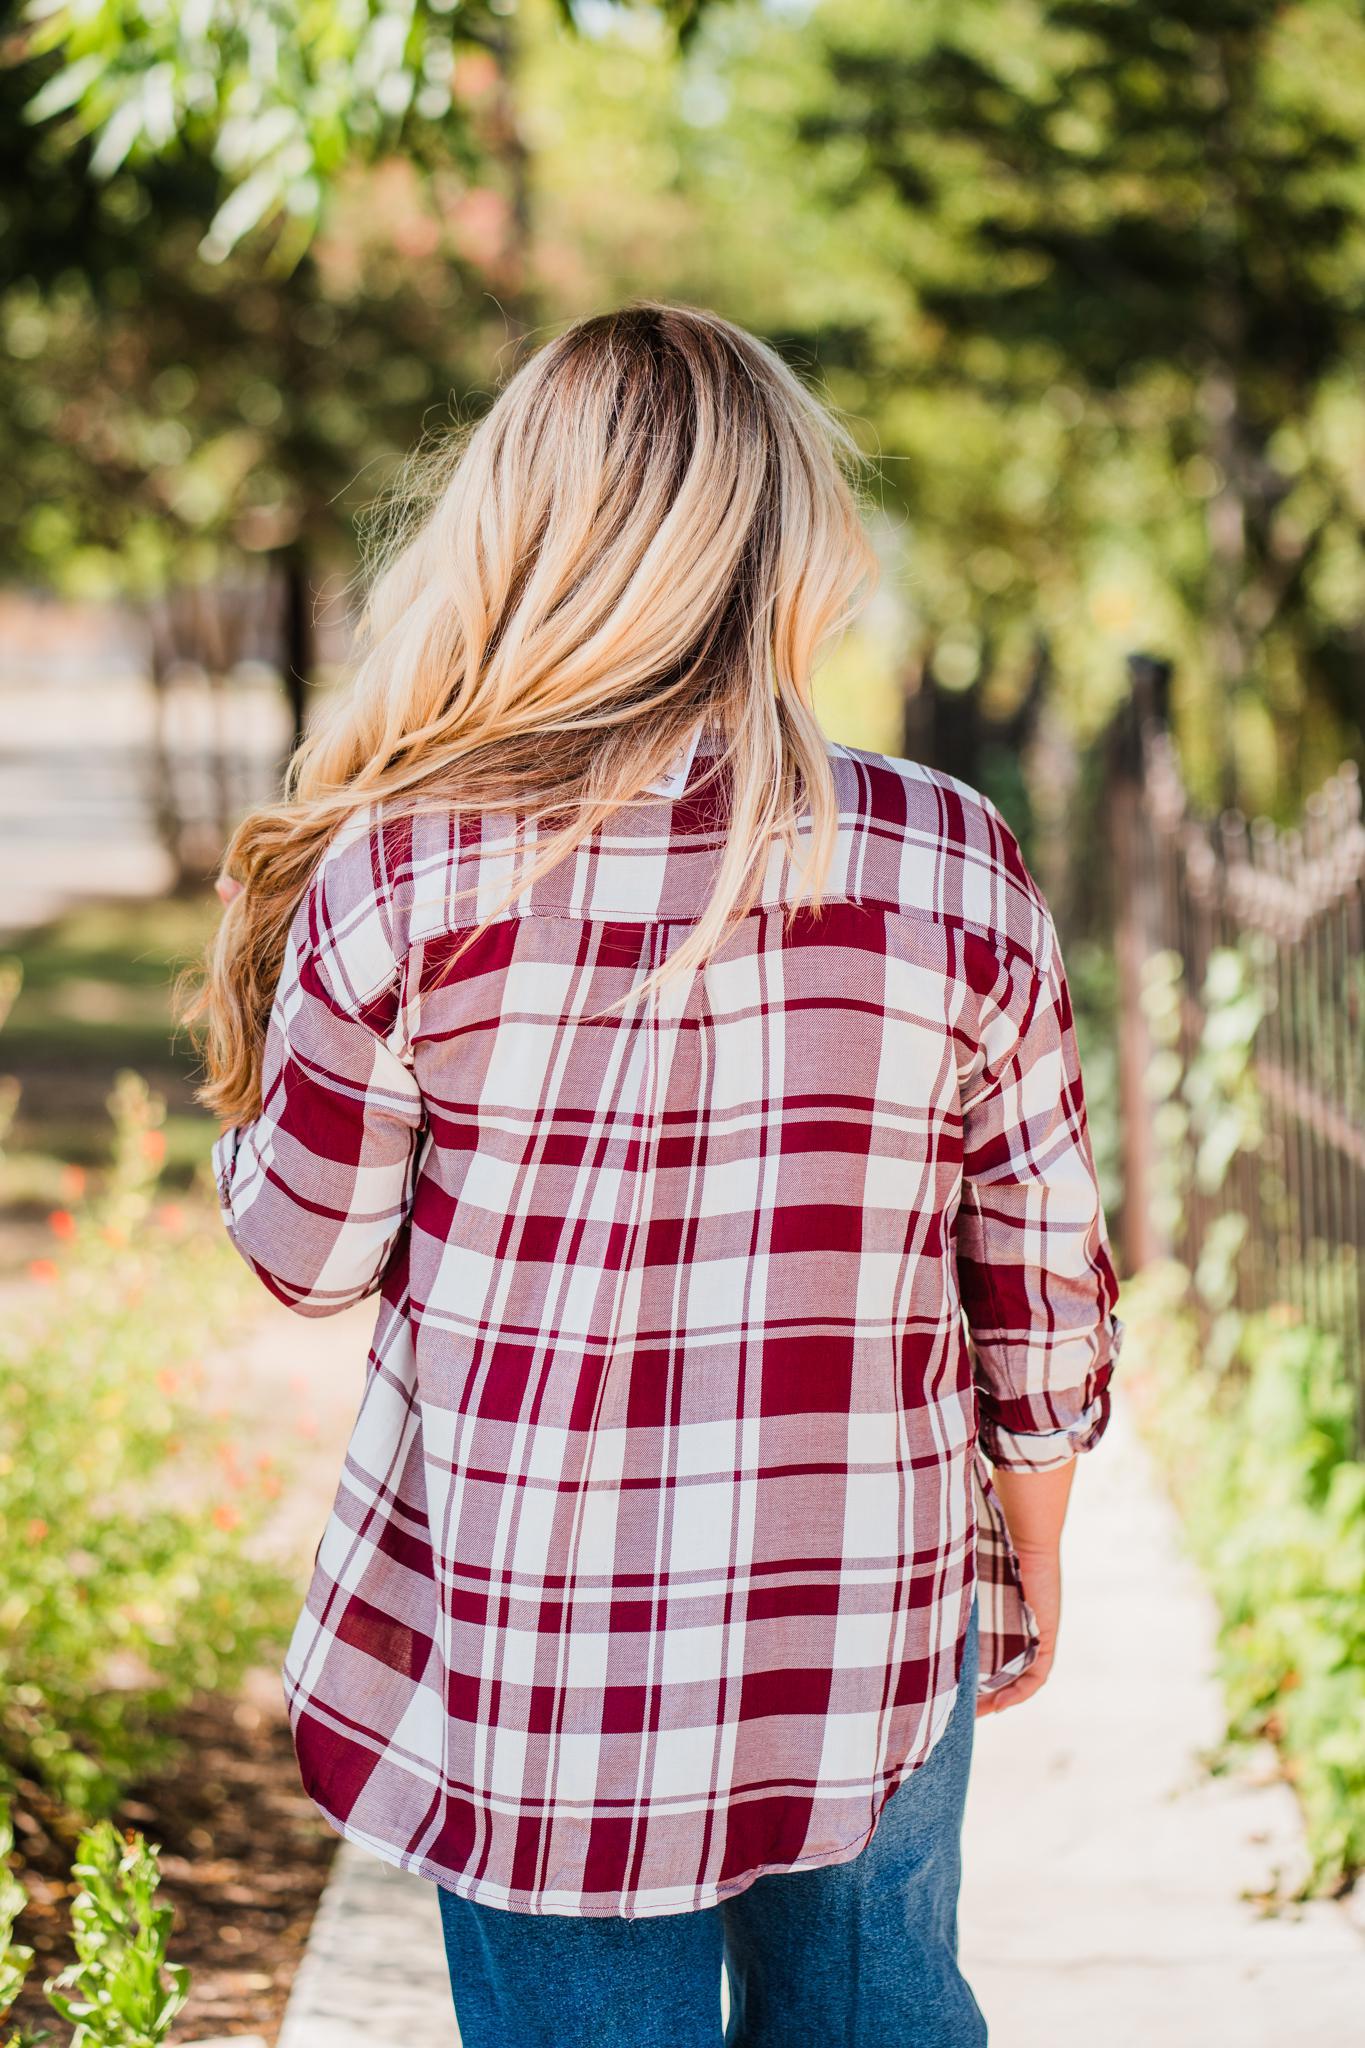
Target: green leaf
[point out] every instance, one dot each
(241, 211)
(64, 88)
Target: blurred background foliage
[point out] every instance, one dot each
(1087, 277)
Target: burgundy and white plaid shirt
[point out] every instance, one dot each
(654, 1552)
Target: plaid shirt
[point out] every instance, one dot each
(652, 1559)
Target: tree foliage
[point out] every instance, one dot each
(279, 98)
(1087, 278)
(168, 413)
(1162, 210)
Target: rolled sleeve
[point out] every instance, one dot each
(1037, 1279)
(1030, 1450)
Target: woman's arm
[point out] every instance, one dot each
(1037, 1281)
(315, 1190)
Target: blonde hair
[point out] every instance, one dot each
(653, 524)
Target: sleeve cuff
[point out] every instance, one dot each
(1017, 1450)
(1026, 1450)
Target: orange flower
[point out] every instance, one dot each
(168, 1379)
(73, 1182)
(171, 1216)
(44, 1271)
(225, 1515)
(62, 1224)
(114, 1236)
(476, 75)
(36, 1530)
(154, 1146)
(226, 1454)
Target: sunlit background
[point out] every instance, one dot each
(1087, 279)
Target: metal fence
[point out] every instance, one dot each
(1290, 904)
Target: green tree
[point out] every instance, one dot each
(1156, 215)
(171, 421)
(248, 253)
(990, 517)
(279, 99)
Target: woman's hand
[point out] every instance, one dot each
(1035, 1506)
(1041, 1572)
(227, 889)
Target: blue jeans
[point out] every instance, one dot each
(851, 1955)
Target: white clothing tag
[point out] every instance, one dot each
(674, 779)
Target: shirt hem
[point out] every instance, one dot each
(652, 1907)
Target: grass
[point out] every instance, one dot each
(96, 999)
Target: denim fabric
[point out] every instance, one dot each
(860, 1954)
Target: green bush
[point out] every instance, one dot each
(127, 1578)
(1262, 1459)
(121, 1991)
(14, 1957)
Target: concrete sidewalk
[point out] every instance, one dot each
(1110, 1879)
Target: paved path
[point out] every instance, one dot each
(76, 743)
(1110, 1878)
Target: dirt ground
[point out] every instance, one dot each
(244, 1857)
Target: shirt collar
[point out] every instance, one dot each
(673, 781)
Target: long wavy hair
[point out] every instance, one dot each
(653, 524)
